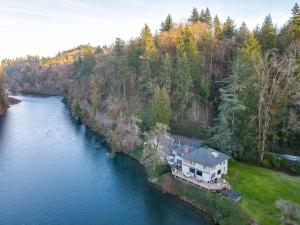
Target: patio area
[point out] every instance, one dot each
(220, 185)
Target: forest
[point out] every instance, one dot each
(3, 97)
(235, 88)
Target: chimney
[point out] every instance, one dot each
(215, 154)
(185, 149)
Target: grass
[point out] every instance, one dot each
(137, 154)
(260, 188)
(153, 168)
(222, 210)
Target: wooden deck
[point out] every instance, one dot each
(214, 187)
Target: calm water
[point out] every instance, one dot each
(54, 171)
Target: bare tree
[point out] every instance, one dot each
(156, 135)
(277, 79)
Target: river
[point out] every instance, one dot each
(54, 171)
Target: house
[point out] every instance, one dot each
(192, 159)
(179, 147)
(205, 164)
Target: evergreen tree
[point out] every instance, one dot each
(195, 16)
(145, 81)
(202, 16)
(160, 107)
(267, 34)
(85, 64)
(207, 18)
(168, 24)
(185, 42)
(119, 66)
(147, 41)
(164, 79)
(217, 28)
(242, 33)
(294, 24)
(119, 47)
(228, 28)
(235, 128)
(183, 81)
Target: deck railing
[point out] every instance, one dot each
(221, 184)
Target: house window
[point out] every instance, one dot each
(213, 176)
(192, 170)
(179, 161)
(199, 173)
(219, 172)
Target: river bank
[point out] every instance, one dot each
(10, 102)
(54, 170)
(218, 209)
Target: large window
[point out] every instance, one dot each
(199, 173)
(192, 170)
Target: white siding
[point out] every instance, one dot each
(207, 172)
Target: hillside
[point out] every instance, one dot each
(236, 88)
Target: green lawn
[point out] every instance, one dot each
(260, 188)
(137, 154)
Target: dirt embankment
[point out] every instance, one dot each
(10, 101)
(13, 101)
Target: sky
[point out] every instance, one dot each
(45, 27)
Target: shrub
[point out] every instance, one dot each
(225, 211)
(77, 111)
(265, 163)
(271, 161)
(284, 163)
(157, 169)
(295, 168)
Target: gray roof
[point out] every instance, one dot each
(179, 142)
(204, 156)
(185, 140)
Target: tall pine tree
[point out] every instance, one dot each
(228, 28)
(235, 128)
(182, 81)
(164, 78)
(160, 107)
(147, 41)
(195, 17)
(218, 30)
(294, 24)
(167, 24)
(267, 36)
(207, 18)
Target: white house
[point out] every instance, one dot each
(205, 164)
(192, 159)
